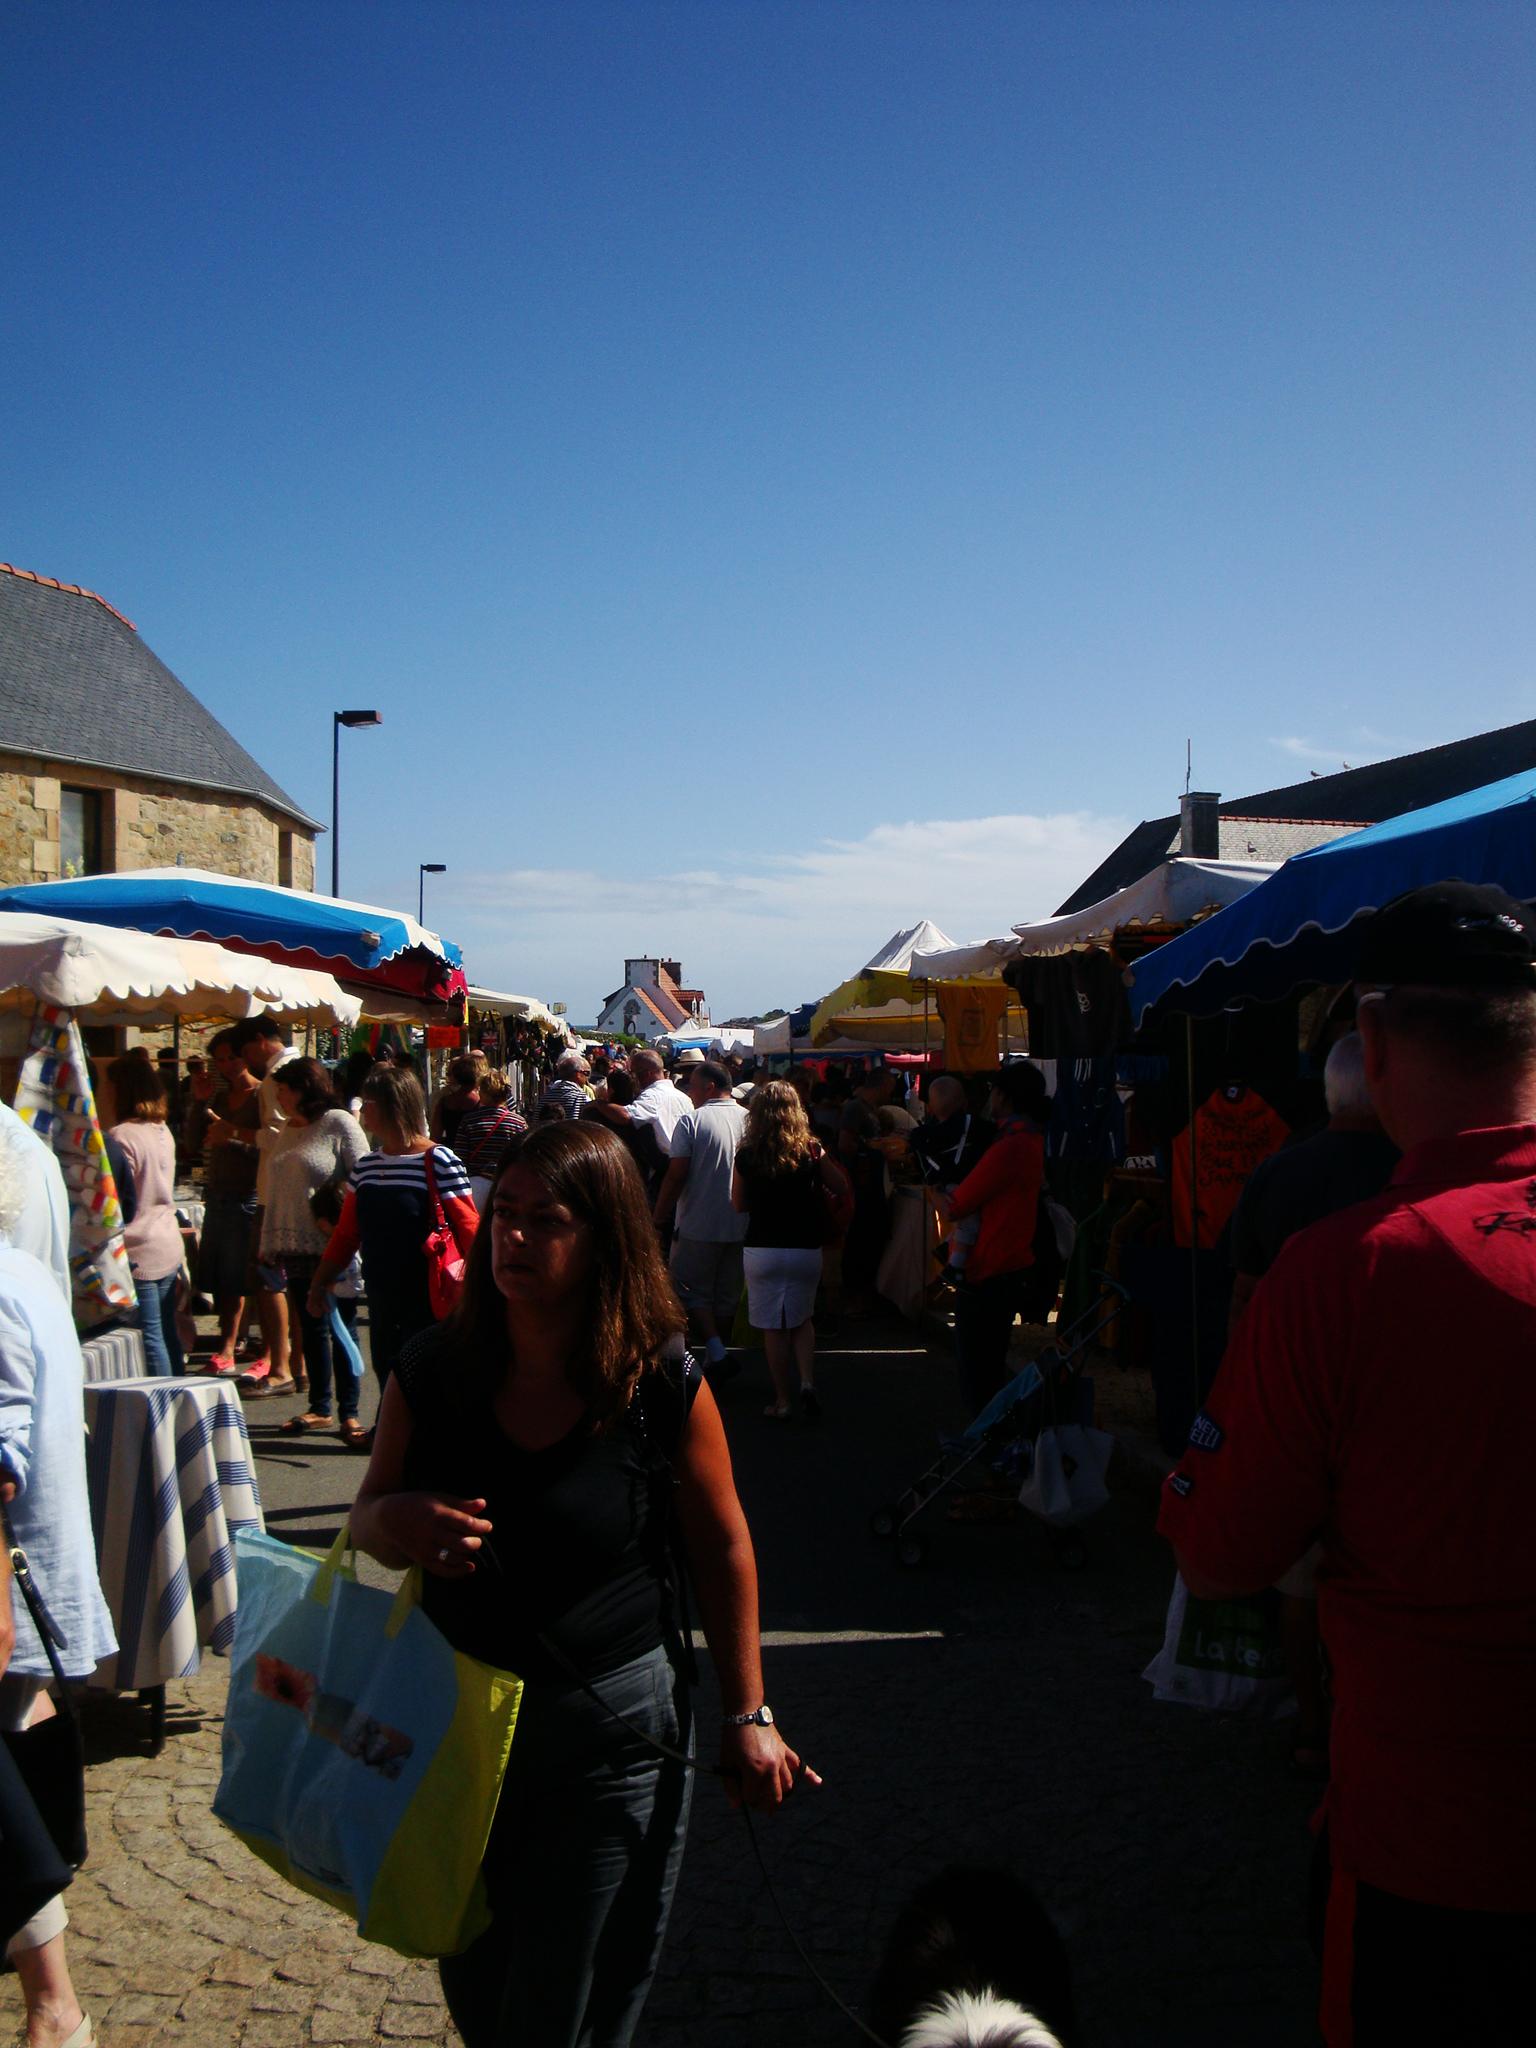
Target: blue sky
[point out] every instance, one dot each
(781, 470)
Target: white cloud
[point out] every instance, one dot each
(774, 928)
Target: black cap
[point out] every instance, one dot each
(1450, 935)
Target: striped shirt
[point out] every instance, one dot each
(406, 1173)
(483, 1137)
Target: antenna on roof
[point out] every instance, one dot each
(1187, 768)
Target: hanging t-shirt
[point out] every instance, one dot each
(1234, 1129)
(1076, 1002)
(971, 1016)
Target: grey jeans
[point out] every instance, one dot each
(580, 1868)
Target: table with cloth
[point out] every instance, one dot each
(113, 1355)
(171, 1478)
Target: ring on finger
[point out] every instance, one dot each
(442, 1556)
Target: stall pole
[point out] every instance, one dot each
(1194, 1209)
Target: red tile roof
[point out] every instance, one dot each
(70, 589)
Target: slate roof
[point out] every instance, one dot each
(78, 684)
(1275, 823)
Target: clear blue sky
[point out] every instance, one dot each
(781, 470)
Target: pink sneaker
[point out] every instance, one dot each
(252, 1379)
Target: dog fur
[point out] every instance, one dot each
(973, 1962)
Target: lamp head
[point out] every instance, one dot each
(359, 718)
(434, 867)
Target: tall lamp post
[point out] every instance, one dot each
(425, 868)
(338, 720)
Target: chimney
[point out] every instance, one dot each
(1199, 824)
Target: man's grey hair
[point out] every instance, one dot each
(1344, 1083)
(570, 1063)
(946, 1090)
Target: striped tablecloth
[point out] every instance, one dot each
(114, 1355)
(171, 1478)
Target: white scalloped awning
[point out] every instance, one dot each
(107, 975)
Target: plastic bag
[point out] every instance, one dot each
(363, 1756)
(1225, 1655)
(1066, 1481)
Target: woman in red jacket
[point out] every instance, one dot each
(1003, 1189)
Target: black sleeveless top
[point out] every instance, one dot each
(578, 1548)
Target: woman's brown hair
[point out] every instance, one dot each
(777, 1133)
(396, 1093)
(634, 1309)
(138, 1093)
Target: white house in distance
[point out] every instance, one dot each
(652, 1000)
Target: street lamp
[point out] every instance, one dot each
(426, 867)
(338, 720)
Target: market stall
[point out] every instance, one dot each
(1301, 926)
(517, 1033)
(169, 1469)
(394, 965)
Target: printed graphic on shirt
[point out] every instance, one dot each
(1182, 1484)
(1513, 1222)
(1205, 1435)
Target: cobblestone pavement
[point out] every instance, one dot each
(985, 1706)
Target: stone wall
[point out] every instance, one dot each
(145, 824)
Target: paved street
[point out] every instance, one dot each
(985, 1706)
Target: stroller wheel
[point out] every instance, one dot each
(882, 1523)
(912, 1551)
(1070, 1550)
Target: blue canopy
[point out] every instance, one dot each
(316, 931)
(1298, 927)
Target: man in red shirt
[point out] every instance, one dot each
(1380, 1395)
(1003, 1189)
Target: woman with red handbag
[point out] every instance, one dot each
(409, 1211)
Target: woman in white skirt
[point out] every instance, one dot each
(778, 1184)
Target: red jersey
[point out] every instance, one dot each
(1004, 1187)
(1380, 1393)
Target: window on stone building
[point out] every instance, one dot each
(79, 831)
(285, 860)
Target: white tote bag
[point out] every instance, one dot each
(1224, 1655)
(1066, 1481)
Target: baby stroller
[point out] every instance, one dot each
(1016, 1411)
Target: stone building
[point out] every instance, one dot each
(108, 762)
(652, 1000)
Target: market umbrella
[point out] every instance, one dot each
(1298, 927)
(381, 951)
(104, 975)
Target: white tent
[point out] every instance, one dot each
(528, 1008)
(106, 975)
(1178, 893)
(709, 1038)
(982, 961)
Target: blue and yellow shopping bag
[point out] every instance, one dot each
(363, 1756)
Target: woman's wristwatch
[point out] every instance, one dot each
(760, 1717)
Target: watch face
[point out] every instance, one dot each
(765, 1717)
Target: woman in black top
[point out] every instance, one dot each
(777, 1182)
(526, 1458)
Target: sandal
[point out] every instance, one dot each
(353, 1432)
(777, 1414)
(307, 1425)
